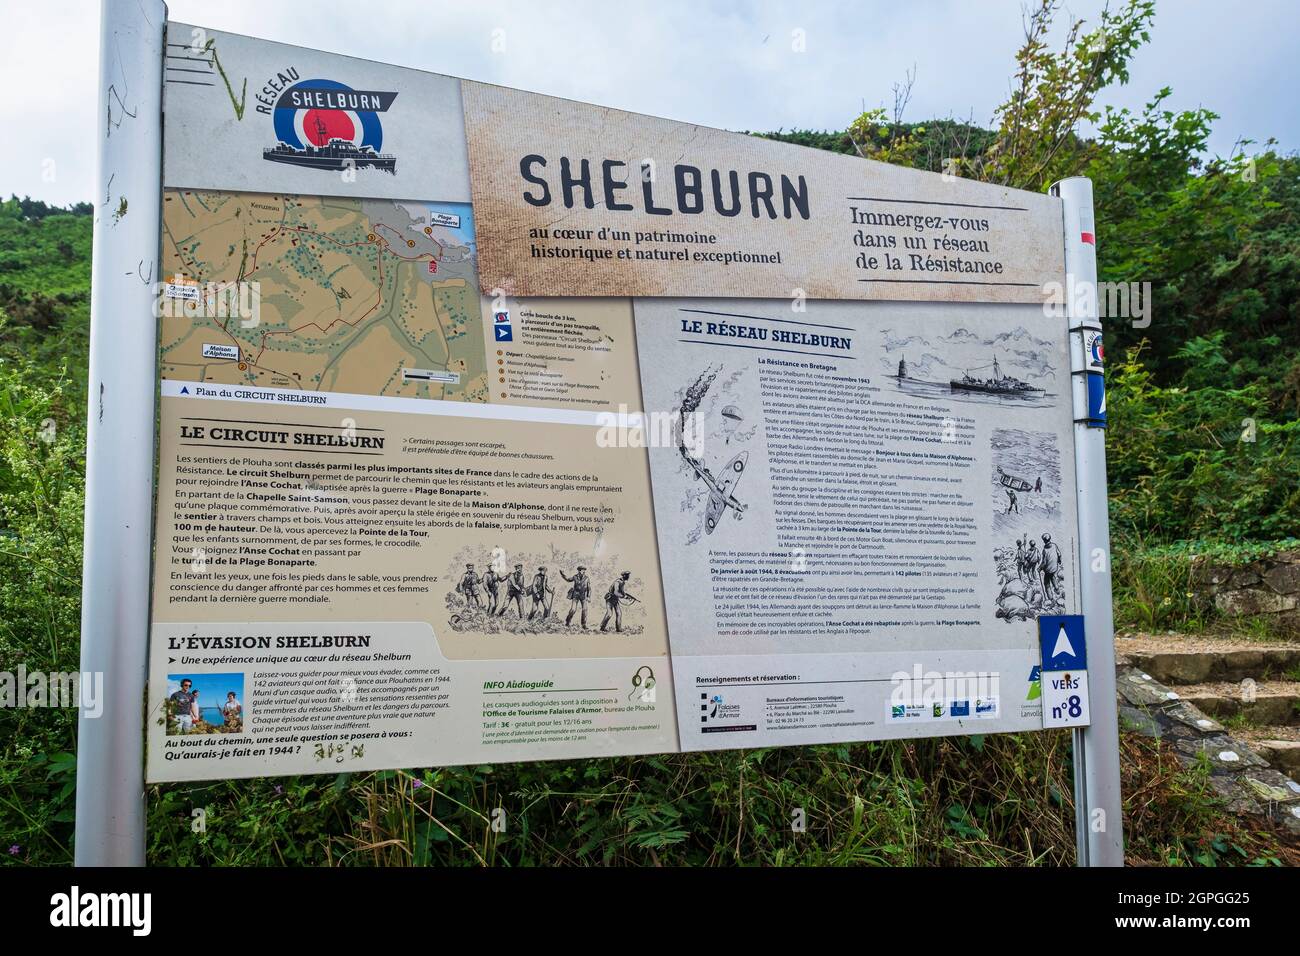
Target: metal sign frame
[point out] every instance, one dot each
(110, 809)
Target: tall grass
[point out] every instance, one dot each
(41, 467)
(970, 801)
(1160, 587)
(987, 801)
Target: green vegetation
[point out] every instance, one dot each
(42, 442)
(1204, 444)
(973, 801)
(1204, 458)
(1155, 586)
(45, 282)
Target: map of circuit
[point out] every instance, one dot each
(371, 297)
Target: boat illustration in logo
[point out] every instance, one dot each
(336, 154)
(323, 124)
(997, 384)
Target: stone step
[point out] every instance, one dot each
(1283, 755)
(1268, 703)
(1280, 746)
(1239, 771)
(1199, 666)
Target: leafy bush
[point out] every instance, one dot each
(42, 442)
(1198, 462)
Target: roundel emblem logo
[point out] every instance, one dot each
(1096, 354)
(318, 126)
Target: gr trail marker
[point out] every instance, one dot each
(1064, 670)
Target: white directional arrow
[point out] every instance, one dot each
(1063, 645)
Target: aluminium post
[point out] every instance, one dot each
(122, 390)
(1098, 803)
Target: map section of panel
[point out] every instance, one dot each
(369, 297)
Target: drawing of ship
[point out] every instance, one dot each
(998, 384)
(337, 154)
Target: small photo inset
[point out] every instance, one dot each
(205, 704)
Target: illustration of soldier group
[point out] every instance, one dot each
(496, 594)
(1032, 578)
(1041, 567)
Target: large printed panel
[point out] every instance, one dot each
(863, 509)
(435, 488)
(500, 579)
(389, 529)
(575, 199)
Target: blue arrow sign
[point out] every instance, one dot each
(1096, 400)
(1062, 641)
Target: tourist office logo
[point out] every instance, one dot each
(325, 124)
(943, 695)
(1032, 705)
(714, 708)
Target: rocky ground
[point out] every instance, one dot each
(1229, 702)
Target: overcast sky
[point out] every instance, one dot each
(725, 64)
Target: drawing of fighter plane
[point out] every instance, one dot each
(720, 496)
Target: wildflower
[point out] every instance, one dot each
(417, 784)
(278, 789)
(15, 850)
(1167, 601)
